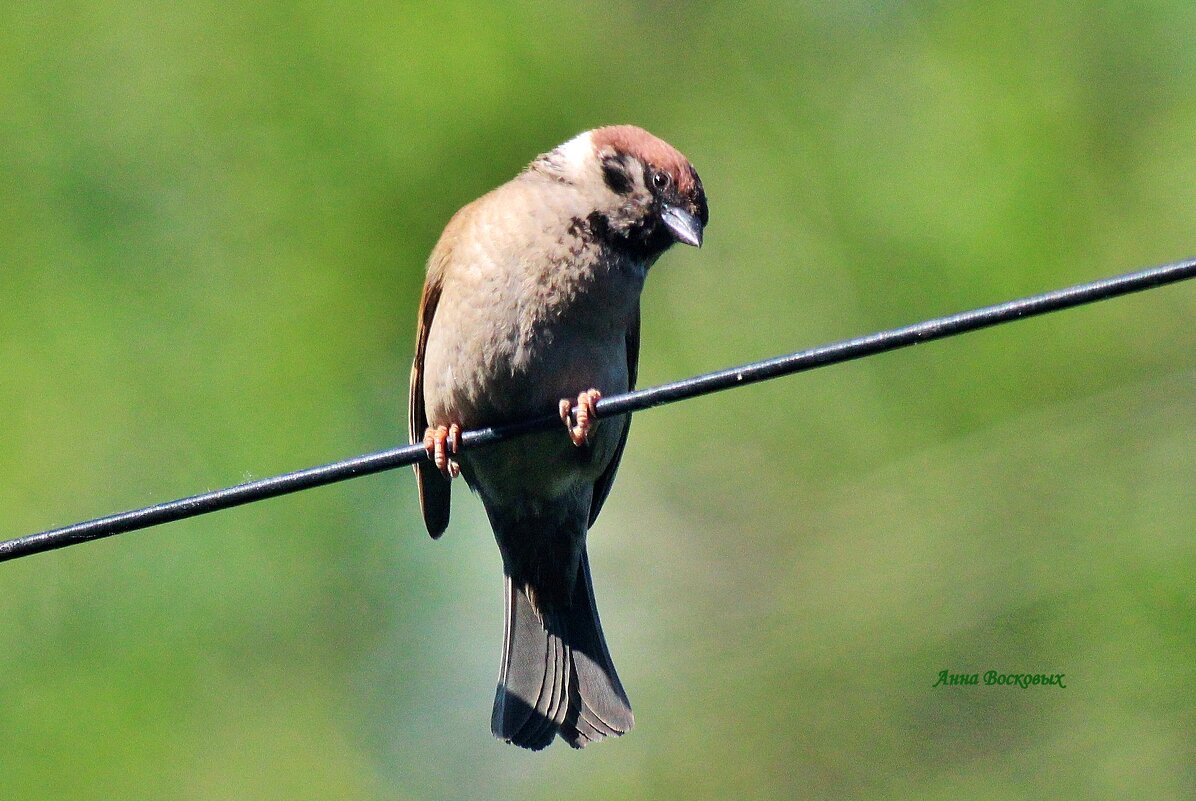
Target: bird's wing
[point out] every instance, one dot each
(434, 488)
(603, 483)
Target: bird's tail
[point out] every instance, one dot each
(557, 675)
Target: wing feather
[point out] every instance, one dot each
(434, 489)
(603, 483)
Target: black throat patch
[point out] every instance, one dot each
(642, 242)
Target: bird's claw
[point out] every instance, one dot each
(440, 442)
(581, 425)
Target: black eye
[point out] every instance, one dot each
(660, 180)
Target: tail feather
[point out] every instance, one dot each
(531, 699)
(602, 708)
(557, 675)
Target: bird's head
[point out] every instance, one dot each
(644, 193)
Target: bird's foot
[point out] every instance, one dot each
(582, 424)
(441, 442)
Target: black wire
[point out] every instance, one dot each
(635, 401)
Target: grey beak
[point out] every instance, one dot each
(684, 226)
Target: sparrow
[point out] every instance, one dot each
(532, 305)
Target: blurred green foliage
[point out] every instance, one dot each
(213, 221)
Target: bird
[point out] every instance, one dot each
(531, 305)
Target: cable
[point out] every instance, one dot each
(628, 402)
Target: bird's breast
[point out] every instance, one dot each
(508, 344)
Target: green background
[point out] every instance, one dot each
(213, 223)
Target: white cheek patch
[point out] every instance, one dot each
(576, 154)
(637, 178)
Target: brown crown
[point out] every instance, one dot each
(637, 142)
